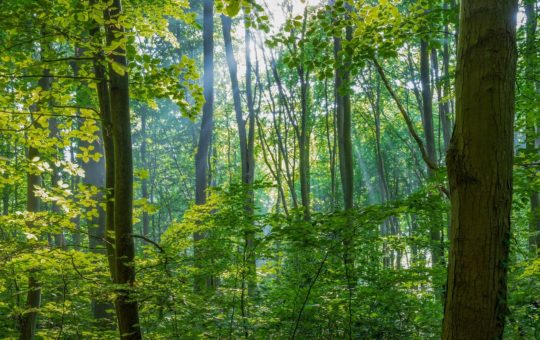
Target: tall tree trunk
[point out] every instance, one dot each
(250, 166)
(533, 90)
(33, 297)
(343, 118)
(331, 143)
(144, 182)
(429, 135)
(246, 138)
(7, 188)
(59, 238)
(94, 175)
(303, 144)
(104, 100)
(480, 171)
(126, 307)
(207, 126)
(444, 115)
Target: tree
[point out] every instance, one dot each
(207, 126)
(246, 138)
(532, 86)
(126, 306)
(480, 171)
(33, 204)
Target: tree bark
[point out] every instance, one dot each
(207, 126)
(303, 145)
(532, 141)
(94, 175)
(33, 205)
(480, 171)
(437, 252)
(144, 182)
(126, 307)
(343, 118)
(444, 115)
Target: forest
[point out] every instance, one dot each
(269, 169)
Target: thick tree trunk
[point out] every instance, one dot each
(207, 127)
(126, 307)
(480, 171)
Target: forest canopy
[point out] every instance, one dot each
(260, 169)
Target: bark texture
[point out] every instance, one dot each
(126, 307)
(480, 171)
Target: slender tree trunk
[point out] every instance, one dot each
(437, 251)
(246, 138)
(33, 297)
(7, 188)
(343, 117)
(59, 239)
(303, 145)
(250, 167)
(533, 89)
(346, 167)
(126, 307)
(144, 182)
(104, 100)
(94, 175)
(330, 124)
(207, 126)
(444, 115)
(480, 171)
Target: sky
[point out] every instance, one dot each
(277, 9)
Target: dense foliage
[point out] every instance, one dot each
(375, 271)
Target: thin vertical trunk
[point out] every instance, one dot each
(427, 104)
(59, 239)
(304, 133)
(33, 297)
(7, 188)
(144, 184)
(447, 86)
(346, 167)
(207, 126)
(246, 138)
(533, 90)
(429, 135)
(303, 145)
(480, 171)
(330, 124)
(250, 166)
(126, 307)
(343, 118)
(444, 115)
(94, 175)
(104, 100)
